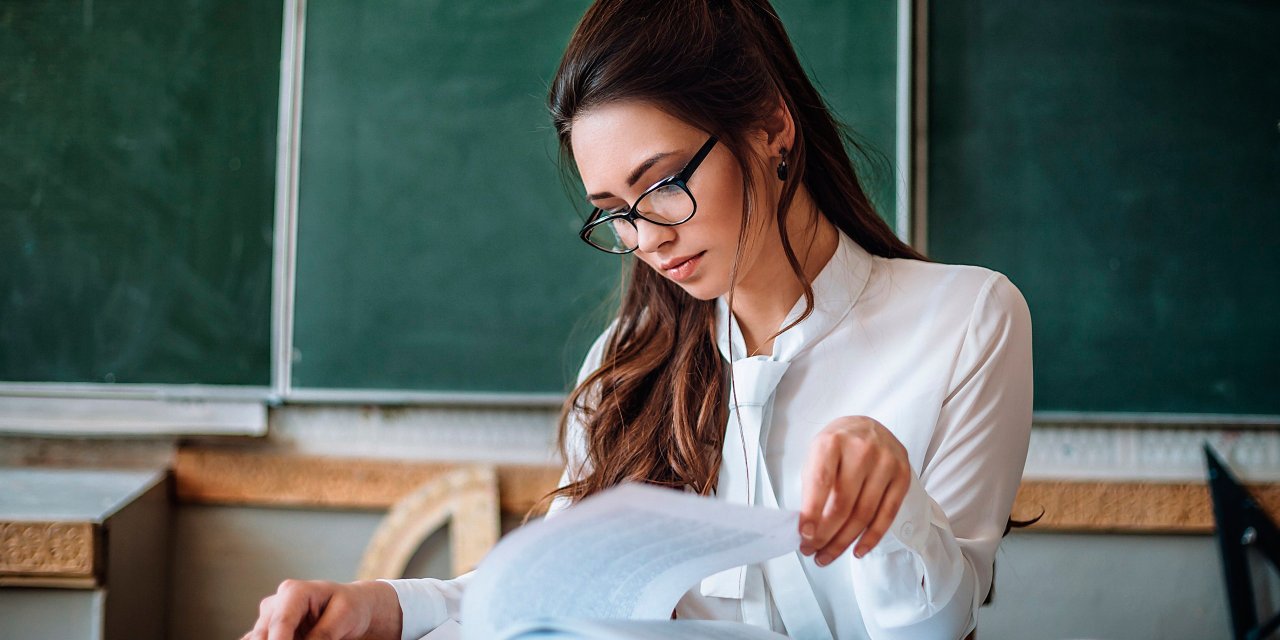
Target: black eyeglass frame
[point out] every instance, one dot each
(598, 216)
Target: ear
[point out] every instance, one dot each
(779, 130)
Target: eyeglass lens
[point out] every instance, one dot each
(669, 205)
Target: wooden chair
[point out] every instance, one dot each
(466, 498)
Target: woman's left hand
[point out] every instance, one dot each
(854, 482)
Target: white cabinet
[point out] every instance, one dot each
(83, 553)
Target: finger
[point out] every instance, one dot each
(284, 626)
(259, 631)
(861, 515)
(337, 622)
(265, 609)
(819, 476)
(845, 494)
(293, 604)
(888, 510)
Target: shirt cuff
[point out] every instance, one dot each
(910, 527)
(422, 606)
(915, 570)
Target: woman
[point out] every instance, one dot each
(886, 398)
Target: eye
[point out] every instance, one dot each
(667, 191)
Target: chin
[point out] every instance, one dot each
(703, 290)
(705, 286)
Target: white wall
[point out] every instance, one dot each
(1106, 587)
(227, 559)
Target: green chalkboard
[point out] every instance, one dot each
(437, 246)
(137, 163)
(1120, 161)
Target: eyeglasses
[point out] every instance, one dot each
(667, 203)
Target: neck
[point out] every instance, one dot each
(767, 292)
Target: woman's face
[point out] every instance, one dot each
(617, 142)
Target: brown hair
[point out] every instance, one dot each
(655, 411)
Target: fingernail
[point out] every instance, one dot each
(858, 553)
(807, 530)
(823, 560)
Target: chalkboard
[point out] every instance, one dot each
(437, 246)
(1120, 161)
(137, 163)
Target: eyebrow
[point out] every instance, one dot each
(635, 174)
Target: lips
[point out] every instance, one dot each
(675, 262)
(680, 269)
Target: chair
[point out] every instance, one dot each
(466, 497)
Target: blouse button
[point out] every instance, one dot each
(907, 529)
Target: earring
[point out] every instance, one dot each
(782, 167)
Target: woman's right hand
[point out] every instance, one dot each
(322, 610)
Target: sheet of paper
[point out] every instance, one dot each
(627, 553)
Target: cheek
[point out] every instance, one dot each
(729, 200)
(721, 210)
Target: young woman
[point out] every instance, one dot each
(776, 345)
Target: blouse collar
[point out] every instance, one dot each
(835, 290)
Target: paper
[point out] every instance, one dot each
(628, 553)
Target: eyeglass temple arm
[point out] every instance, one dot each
(697, 159)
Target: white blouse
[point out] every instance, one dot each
(941, 356)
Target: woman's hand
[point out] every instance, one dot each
(855, 479)
(321, 610)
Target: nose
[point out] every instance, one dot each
(651, 236)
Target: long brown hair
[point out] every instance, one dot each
(655, 411)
